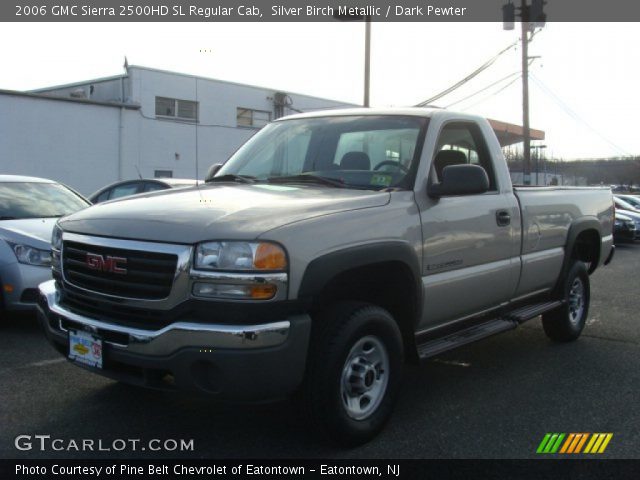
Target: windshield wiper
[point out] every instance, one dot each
(231, 177)
(307, 178)
(7, 218)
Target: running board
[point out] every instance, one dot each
(509, 321)
(463, 337)
(528, 312)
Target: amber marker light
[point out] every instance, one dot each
(270, 256)
(263, 292)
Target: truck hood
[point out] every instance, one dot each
(219, 211)
(35, 232)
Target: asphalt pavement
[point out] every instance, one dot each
(494, 399)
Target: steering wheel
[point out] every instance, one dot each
(392, 163)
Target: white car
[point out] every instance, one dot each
(29, 208)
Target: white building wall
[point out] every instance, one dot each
(64, 141)
(88, 146)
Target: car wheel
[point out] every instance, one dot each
(353, 372)
(566, 323)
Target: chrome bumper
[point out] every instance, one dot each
(170, 338)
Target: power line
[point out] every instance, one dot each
(483, 89)
(571, 113)
(469, 77)
(519, 76)
(493, 94)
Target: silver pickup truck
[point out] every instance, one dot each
(329, 250)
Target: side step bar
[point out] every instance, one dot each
(485, 329)
(528, 312)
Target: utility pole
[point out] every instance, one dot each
(526, 134)
(530, 17)
(367, 48)
(367, 59)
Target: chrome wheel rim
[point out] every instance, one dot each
(365, 377)
(576, 301)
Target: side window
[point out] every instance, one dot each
(124, 190)
(103, 196)
(461, 143)
(153, 186)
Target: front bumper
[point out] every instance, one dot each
(257, 362)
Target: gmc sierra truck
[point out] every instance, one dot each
(329, 250)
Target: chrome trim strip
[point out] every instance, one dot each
(175, 336)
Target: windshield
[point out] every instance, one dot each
(37, 200)
(371, 152)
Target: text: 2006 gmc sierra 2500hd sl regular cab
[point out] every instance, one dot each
(331, 248)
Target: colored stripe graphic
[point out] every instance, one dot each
(574, 443)
(598, 443)
(550, 443)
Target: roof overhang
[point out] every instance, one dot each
(509, 133)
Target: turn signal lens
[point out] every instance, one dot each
(263, 292)
(270, 256)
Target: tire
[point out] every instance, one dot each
(353, 372)
(566, 323)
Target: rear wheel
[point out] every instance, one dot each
(567, 322)
(353, 373)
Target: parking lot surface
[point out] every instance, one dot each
(494, 399)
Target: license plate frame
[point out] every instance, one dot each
(86, 348)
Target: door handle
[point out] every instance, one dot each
(503, 218)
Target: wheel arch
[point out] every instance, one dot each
(386, 274)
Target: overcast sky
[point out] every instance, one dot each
(583, 87)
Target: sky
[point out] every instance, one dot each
(582, 85)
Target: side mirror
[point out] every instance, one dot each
(460, 180)
(213, 169)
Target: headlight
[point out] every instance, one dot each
(56, 237)
(31, 256)
(240, 256)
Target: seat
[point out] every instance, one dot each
(445, 158)
(355, 161)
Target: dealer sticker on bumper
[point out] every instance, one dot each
(85, 348)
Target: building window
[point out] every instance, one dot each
(174, 108)
(163, 174)
(247, 117)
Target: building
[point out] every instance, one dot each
(146, 122)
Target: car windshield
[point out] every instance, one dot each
(366, 151)
(20, 200)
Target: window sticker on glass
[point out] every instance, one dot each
(381, 180)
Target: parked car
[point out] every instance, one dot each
(626, 210)
(29, 208)
(632, 200)
(623, 205)
(624, 229)
(133, 187)
(330, 249)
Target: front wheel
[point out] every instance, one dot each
(353, 373)
(567, 322)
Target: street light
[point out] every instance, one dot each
(367, 48)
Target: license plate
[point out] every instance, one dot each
(85, 348)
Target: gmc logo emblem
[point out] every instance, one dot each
(106, 263)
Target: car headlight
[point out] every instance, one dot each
(56, 237)
(245, 256)
(31, 255)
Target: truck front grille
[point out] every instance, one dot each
(119, 272)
